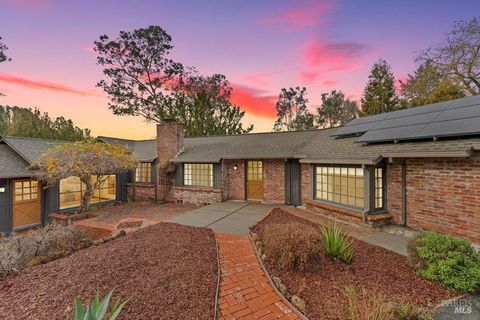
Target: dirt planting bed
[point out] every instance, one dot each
(168, 271)
(374, 269)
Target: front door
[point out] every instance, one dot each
(254, 180)
(26, 203)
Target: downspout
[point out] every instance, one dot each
(403, 217)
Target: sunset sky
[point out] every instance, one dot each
(261, 46)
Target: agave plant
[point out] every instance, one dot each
(336, 244)
(97, 310)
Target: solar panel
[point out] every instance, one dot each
(450, 118)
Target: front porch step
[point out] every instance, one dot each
(379, 220)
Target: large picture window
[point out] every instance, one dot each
(198, 174)
(143, 173)
(71, 190)
(343, 185)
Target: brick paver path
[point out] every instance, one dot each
(245, 293)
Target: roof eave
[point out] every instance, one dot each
(438, 154)
(340, 161)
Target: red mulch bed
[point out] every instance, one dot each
(168, 271)
(377, 270)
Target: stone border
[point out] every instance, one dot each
(272, 284)
(219, 276)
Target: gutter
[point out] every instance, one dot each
(455, 154)
(340, 161)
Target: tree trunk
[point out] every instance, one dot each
(85, 202)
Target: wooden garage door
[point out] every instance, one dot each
(254, 180)
(26, 203)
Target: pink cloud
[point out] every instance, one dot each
(323, 57)
(294, 19)
(42, 85)
(334, 56)
(254, 101)
(261, 79)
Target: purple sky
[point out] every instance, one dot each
(261, 46)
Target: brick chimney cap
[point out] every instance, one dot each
(169, 120)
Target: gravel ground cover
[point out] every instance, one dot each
(377, 270)
(168, 271)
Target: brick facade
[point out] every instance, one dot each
(143, 191)
(443, 195)
(195, 195)
(306, 188)
(233, 181)
(274, 180)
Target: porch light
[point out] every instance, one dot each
(235, 167)
(2, 190)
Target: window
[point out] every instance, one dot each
(26, 190)
(71, 190)
(198, 174)
(143, 172)
(379, 188)
(344, 185)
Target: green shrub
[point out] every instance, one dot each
(291, 245)
(451, 262)
(97, 310)
(409, 312)
(365, 306)
(336, 244)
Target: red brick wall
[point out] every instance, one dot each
(442, 195)
(233, 181)
(274, 180)
(306, 181)
(142, 191)
(195, 195)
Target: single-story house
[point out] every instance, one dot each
(417, 167)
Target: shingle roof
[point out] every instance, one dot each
(313, 146)
(142, 150)
(30, 148)
(12, 164)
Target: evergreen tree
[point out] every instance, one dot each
(379, 95)
(292, 112)
(418, 88)
(25, 122)
(335, 110)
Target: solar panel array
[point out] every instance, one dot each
(459, 117)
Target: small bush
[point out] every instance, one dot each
(365, 306)
(451, 262)
(336, 244)
(409, 312)
(97, 310)
(17, 250)
(291, 245)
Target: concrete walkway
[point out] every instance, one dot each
(245, 292)
(225, 217)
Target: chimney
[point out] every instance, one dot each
(169, 144)
(169, 140)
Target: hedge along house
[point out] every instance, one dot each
(418, 167)
(25, 203)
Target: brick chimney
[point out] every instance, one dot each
(169, 144)
(169, 140)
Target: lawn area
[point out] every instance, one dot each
(168, 271)
(378, 271)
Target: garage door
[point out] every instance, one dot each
(26, 203)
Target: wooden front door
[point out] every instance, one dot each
(26, 203)
(254, 180)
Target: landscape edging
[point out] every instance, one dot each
(272, 284)
(219, 275)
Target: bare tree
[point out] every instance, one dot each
(459, 55)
